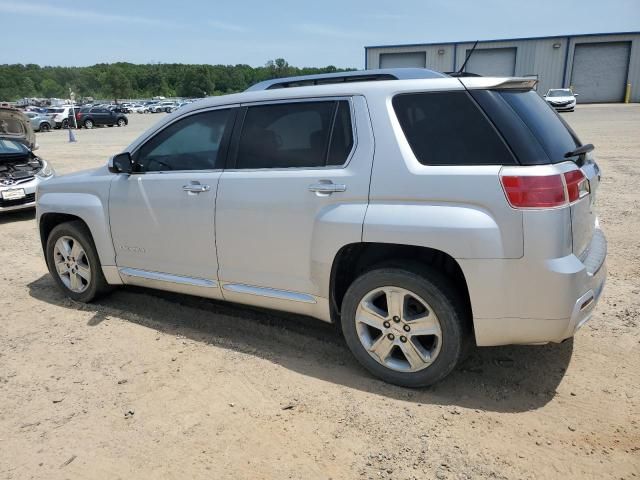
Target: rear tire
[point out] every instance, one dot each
(88, 124)
(45, 127)
(421, 347)
(78, 272)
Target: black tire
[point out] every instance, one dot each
(121, 122)
(88, 124)
(45, 127)
(444, 301)
(65, 124)
(78, 232)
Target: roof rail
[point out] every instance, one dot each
(344, 77)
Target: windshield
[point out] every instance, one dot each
(560, 93)
(11, 147)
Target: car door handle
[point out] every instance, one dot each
(196, 188)
(327, 188)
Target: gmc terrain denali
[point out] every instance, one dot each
(421, 215)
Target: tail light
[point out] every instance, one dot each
(545, 191)
(78, 116)
(577, 185)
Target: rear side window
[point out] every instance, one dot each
(448, 128)
(301, 134)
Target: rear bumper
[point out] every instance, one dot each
(523, 302)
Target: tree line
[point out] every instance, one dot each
(127, 80)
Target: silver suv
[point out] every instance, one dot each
(420, 215)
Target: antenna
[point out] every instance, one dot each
(468, 57)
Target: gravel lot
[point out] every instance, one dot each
(146, 384)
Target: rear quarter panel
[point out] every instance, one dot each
(460, 210)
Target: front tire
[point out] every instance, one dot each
(73, 262)
(404, 326)
(45, 127)
(121, 122)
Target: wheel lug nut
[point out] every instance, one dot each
(406, 328)
(403, 339)
(386, 324)
(391, 336)
(396, 319)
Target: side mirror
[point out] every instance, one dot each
(121, 163)
(576, 94)
(544, 96)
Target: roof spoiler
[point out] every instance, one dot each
(513, 83)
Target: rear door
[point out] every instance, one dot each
(297, 169)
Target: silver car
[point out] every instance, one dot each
(21, 171)
(40, 122)
(420, 212)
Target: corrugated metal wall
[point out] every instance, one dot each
(549, 58)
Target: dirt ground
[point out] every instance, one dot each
(146, 384)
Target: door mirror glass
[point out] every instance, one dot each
(121, 163)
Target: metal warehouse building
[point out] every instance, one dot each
(599, 67)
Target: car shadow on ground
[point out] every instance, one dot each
(12, 216)
(503, 379)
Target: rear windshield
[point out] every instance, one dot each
(554, 135)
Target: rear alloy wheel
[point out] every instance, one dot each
(45, 127)
(121, 122)
(88, 124)
(404, 327)
(65, 124)
(73, 262)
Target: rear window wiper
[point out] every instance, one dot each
(580, 150)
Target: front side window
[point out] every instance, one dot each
(301, 134)
(192, 143)
(448, 128)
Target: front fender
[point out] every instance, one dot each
(90, 209)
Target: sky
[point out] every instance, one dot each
(305, 33)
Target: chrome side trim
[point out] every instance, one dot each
(269, 292)
(167, 277)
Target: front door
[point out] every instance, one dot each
(162, 216)
(295, 191)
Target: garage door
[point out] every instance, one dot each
(600, 71)
(498, 62)
(399, 60)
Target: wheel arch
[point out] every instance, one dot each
(354, 259)
(55, 208)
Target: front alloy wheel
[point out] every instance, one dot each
(72, 264)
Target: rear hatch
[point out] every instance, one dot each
(539, 136)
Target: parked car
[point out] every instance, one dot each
(21, 171)
(469, 220)
(159, 107)
(562, 99)
(96, 116)
(60, 116)
(138, 108)
(41, 122)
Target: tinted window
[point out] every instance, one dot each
(553, 134)
(448, 128)
(189, 144)
(293, 135)
(342, 136)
